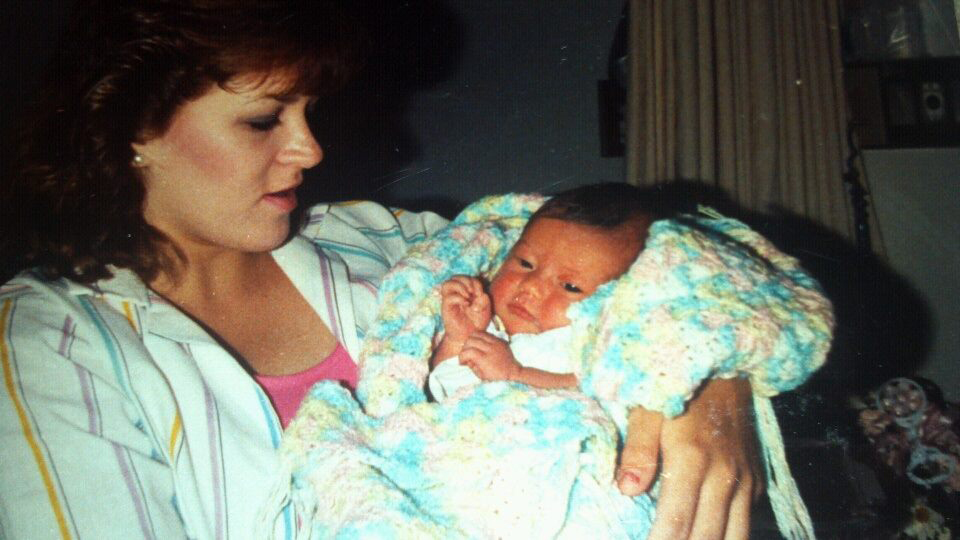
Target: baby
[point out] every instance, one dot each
(707, 296)
(577, 241)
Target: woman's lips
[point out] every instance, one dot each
(285, 200)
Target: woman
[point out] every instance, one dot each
(163, 328)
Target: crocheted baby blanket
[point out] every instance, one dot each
(707, 297)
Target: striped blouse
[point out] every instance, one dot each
(121, 418)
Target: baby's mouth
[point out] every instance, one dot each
(521, 313)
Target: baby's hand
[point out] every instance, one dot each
(464, 306)
(490, 358)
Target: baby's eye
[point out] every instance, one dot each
(570, 287)
(524, 263)
(265, 123)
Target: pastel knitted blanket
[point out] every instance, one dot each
(707, 297)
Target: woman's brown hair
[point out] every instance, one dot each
(73, 197)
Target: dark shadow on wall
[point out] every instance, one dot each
(883, 326)
(412, 46)
(883, 329)
(28, 36)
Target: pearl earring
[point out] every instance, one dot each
(137, 160)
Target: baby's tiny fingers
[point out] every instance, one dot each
(478, 371)
(456, 284)
(470, 285)
(472, 351)
(476, 286)
(481, 336)
(460, 301)
(478, 346)
(481, 301)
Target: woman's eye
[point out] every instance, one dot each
(264, 123)
(570, 287)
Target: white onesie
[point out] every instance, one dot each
(548, 351)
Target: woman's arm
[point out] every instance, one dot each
(711, 470)
(76, 463)
(713, 299)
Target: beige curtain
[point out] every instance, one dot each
(742, 95)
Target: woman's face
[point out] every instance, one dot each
(224, 174)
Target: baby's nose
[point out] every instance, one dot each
(532, 286)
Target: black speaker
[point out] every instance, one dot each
(932, 102)
(905, 103)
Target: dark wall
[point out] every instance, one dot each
(465, 97)
(459, 99)
(28, 33)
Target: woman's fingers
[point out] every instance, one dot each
(738, 522)
(684, 470)
(709, 466)
(716, 505)
(641, 452)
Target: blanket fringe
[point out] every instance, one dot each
(791, 513)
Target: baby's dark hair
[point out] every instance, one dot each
(607, 205)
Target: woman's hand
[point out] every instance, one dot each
(710, 466)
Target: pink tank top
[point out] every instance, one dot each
(287, 391)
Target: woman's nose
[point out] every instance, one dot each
(302, 149)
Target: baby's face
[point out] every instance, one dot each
(556, 263)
